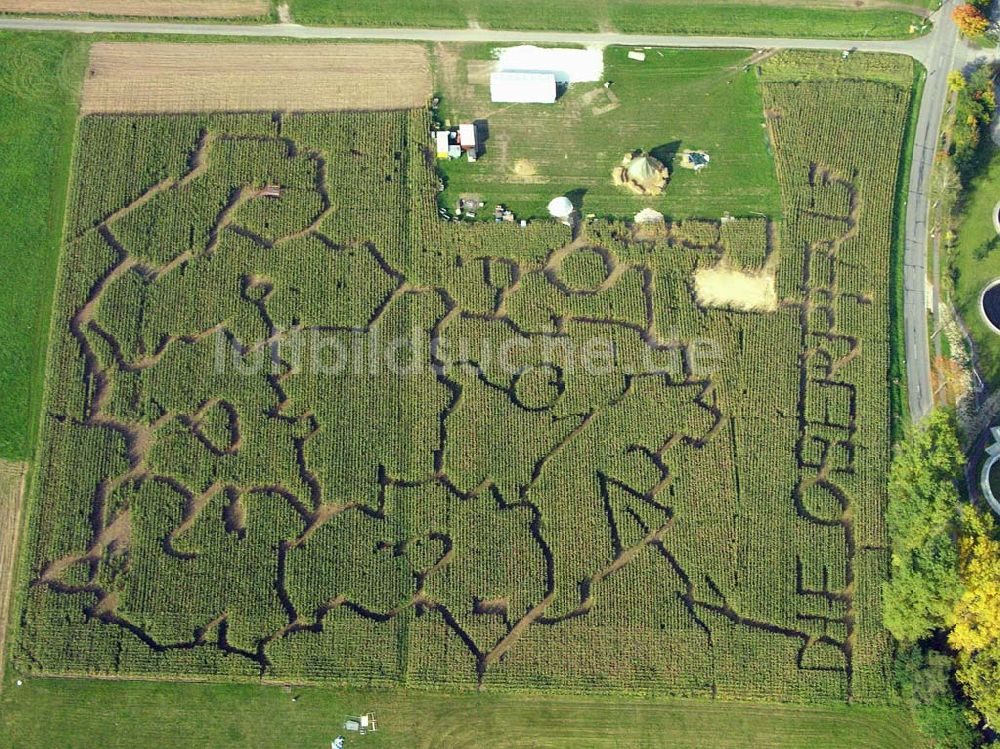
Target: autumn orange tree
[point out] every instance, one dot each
(971, 21)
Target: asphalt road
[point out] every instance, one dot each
(939, 60)
(936, 51)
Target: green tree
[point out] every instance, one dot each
(925, 680)
(956, 81)
(973, 114)
(922, 519)
(979, 675)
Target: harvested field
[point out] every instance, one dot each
(143, 8)
(11, 492)
(733, 289)
(137, 77)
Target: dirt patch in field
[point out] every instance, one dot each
(728, 288)
(949, 380)
(478, 72)
(525, 168)
(162, 77)
(146, 8)
(11, 500)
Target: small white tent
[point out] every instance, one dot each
(561, 208)
(523, 88)
(649, 216)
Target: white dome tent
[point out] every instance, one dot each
(561, 208)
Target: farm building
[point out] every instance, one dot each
(451, 144)
(523, 88)
(441, 143)
(567, 65)
(467, 136)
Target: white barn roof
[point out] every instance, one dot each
(441, 143)
(523, 88)
(467, 135)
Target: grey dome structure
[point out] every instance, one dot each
(642, 174)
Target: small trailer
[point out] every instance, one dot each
(361, 724)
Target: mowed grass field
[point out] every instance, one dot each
(828, 18)
(39, 78)
(973, 274)
(676, 99)
(70, 713)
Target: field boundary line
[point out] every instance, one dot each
(13, 478)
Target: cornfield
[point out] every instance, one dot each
(237, 481)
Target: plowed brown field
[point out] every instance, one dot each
(145, 8)
(160, 77)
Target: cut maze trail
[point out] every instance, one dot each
(820, 290)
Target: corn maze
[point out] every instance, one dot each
(239, 482)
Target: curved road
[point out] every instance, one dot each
(936, 52)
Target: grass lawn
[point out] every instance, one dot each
(38, 79)
(972, 274)
(676, 99)
(71, 713)
(828, 18)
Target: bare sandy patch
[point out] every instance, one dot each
(525, 168)
(11, 501)
(728, 288)
(145, 8)
(525, 171)
(477, 72)
(164, 77)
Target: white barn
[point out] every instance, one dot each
(523, 87)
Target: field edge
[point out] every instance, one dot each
(12, 514)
